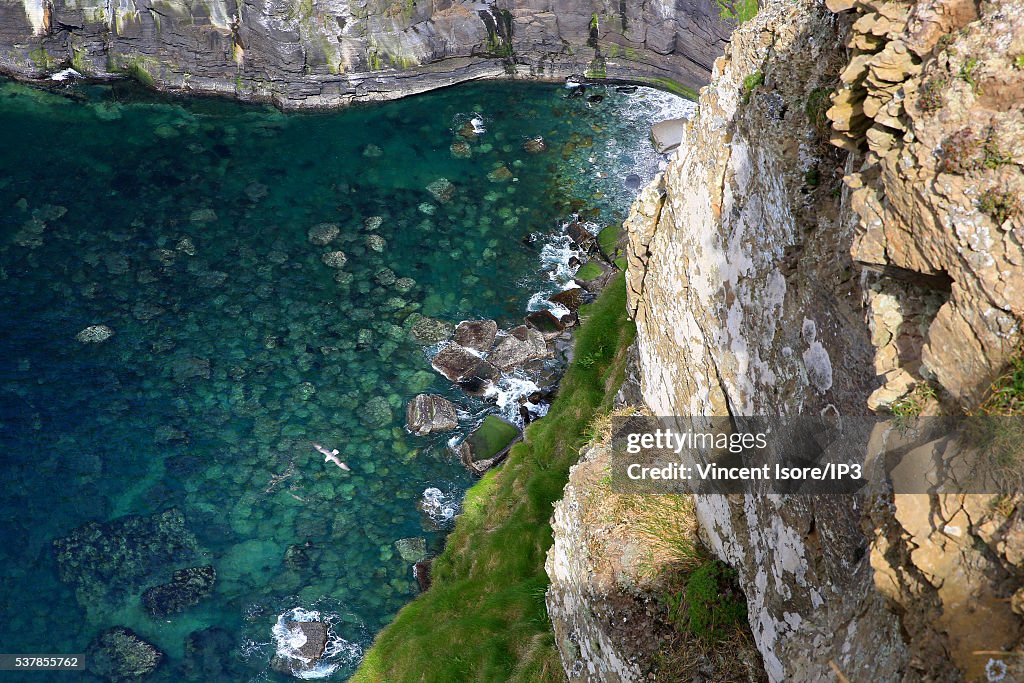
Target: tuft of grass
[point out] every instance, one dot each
(750, 83)
(588, 271)
(608, 241)
(484, 618)
(812, 178)
(915, 402)
(932, 93)
(817, 104)
(715, 604)
(993, 155)
(739, 11)
(999, 205)
(1006, 396)
(967, 71)
(1018, 62)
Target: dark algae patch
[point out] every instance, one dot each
(484, 618)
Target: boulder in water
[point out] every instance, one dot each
(500, 174)
(521, 345)
(119, 655)
(465, 368)
(442, 190)
(307, 641)
(476, 334)
(545, 322)
(535, 145)
(579, 234)
(421, 571)
(428, 413)
(571, 298)
(667, 135)
(488, 444)
(412, 550)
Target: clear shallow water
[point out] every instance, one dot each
(182, 225)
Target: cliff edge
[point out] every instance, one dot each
(841, 233)
(316, 53)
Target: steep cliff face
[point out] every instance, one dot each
(304, 53)
(771, 273)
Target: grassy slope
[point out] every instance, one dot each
(484, 618)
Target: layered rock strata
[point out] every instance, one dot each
(312, 53)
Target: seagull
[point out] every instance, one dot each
(331, 456)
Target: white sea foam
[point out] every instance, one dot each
(441, 507)
(508, 391)
(288, 643)
(478, 124)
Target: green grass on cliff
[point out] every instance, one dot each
(738, 10)
(484, 618)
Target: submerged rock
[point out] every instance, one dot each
(107, 562)
(186, 588)
(334, 259)
(535, 145)
(375, 243)
(186, 369)
(94, 334)
(461, 149)
(500, 174)
(208, 655)
(476, 334)
(442, 190)
(323, 234)
(376, 412)
(428, 413)
(427, 330)
(412, 550)
(118, 655)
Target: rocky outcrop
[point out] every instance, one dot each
(307, 641)
(306, 53)
(932, 95)
(609, 574)
(770, 274)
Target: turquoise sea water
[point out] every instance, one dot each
(183, 227)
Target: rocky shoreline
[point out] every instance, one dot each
(475, 355)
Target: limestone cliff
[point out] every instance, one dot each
(307, 53)
(771, 273)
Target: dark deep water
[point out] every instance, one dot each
(183, 226)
